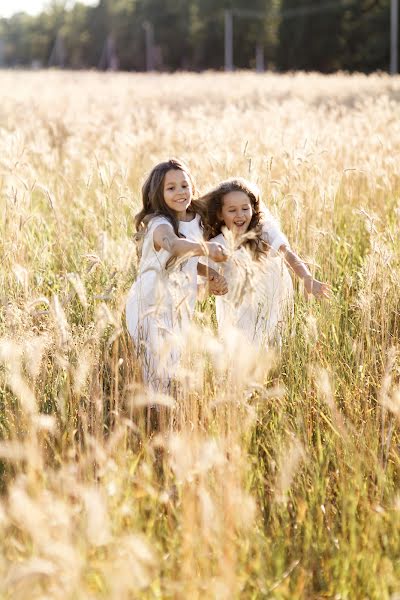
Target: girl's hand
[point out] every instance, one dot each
(217, 285)
(317, 288)
(216, 252)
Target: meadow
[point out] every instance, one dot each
(280, 476)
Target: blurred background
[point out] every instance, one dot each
(170, 35)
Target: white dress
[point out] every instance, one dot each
(160, 305)
(260, 296)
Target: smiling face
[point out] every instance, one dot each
(236, 212)
(177, 191)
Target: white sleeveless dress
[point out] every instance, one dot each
(160, 305)
(260, 297)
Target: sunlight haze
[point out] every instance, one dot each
(33, 7)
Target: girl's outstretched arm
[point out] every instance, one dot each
(165, 237)
(312, 286)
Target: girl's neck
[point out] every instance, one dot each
(185, 215)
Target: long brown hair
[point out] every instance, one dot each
(155, 205)
(153, 195)
(213, 223)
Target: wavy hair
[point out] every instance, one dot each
(213, 223)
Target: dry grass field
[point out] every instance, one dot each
(280, 477)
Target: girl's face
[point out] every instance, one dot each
(177, 191)
(236, 212)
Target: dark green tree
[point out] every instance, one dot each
(365, 36)
(310, 40)
(249, 30)
(171, 23)
(17, 39)
(189, 34)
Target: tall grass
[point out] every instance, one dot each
(279, 477)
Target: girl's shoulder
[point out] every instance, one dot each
(271, 231)
(156, 220)
(146, 235)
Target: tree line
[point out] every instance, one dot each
(323, 35)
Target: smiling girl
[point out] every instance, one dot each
(161, 301)
(260, 295)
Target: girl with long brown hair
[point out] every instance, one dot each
(260, 295)
(161, 301)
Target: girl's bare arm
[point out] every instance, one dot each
(312, 286)
(165, 237)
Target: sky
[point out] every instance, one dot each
(33, 7)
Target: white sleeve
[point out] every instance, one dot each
(151, 227)
(156, 221)
(271, 231)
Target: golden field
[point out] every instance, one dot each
(280, 476)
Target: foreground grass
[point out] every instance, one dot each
(280, 477)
